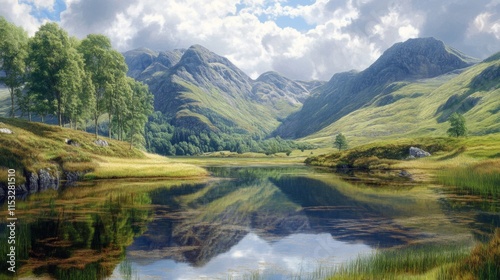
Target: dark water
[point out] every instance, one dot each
(277, 222)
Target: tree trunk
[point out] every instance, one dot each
(13, 111)
(95, 119)
(109, 126)
(59, 114)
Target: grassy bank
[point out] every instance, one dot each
(478, 153)
(34, 146)
(428, 262)
(413, 262)
(481, 178)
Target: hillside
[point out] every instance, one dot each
(422, 107)
(403, 64)
(198, 89)
(39, 151)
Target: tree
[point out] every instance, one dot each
(340, 142)
(13, 52)
(139, 109)
(55, 69)
(107, 70)
(457, 125)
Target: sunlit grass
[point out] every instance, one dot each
(480, 178)
(414, 111)
(402, 263)
(482, 263)
(151, 166)
(35, 146)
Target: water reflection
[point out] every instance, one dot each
(296, 254)
(276, 221)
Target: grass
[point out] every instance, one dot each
(382, 155)
(482, 263)
(392, 154)
(416, 110)
(418, 262)
(482, 178)
(34, 146)
(149, 167)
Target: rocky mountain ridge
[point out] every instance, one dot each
(199, 89)
(403, 63)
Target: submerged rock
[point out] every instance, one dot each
(418, 153)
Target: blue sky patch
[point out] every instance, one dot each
(44, 13)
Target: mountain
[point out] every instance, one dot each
(198, 89)
(402, 64)
(422, 107)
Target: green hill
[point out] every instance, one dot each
(404, 64)
(421, 108)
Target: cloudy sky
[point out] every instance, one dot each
(302, 39)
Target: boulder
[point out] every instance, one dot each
(32, 182)
(72, 142)
(418, 153)
(6, 131)
(101, 143)
(47, 181)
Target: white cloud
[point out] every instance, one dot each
(19, 14)
(486, 23)
(341, 34)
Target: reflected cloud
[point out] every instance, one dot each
(297, 254)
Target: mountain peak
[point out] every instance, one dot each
(199, 55)
(418, 58)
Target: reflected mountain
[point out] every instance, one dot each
(208, 221)
(244, 218)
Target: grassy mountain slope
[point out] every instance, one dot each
(347, 92)
(200, 90)
(421, 108)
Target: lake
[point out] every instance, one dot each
(247, 222)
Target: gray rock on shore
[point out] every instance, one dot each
(418, 153)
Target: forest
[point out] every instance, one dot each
(76, 81)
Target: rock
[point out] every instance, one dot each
(404, 173)
(32, 181)
(72, 142)
(418, 153)
(6, 131)
(47, 180)
(35, 182)
(101, 143)
(73, 176)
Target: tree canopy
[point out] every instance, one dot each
(13, 52)
(55, 74)
(457, 125)
(340, 142)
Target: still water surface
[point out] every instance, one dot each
(277, 222)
